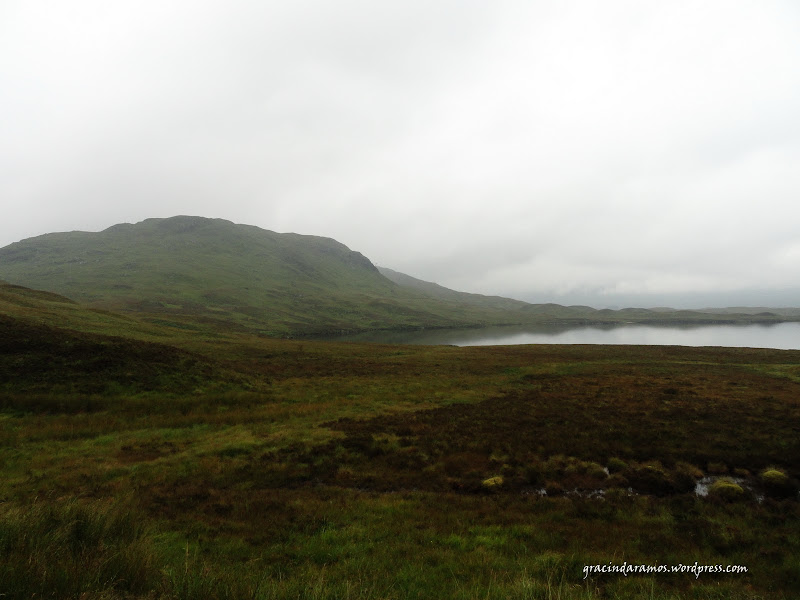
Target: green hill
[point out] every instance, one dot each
(212, 275)
(190, 270)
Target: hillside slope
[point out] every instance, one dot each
(51, 344)
(434, 290)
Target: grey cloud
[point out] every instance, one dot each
(544, 150)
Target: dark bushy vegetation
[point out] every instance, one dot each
(40, 358)
(234, 466)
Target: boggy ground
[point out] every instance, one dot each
(651, 431)
(287, 469)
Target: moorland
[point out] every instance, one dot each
(181, 452)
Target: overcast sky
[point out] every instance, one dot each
(609, 153)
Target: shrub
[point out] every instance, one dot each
(726, 489)
(777, 484)
(684, 477)
(616, 465)
(617, 480)
(717, 468)
(493, 483)
(553, 488)
(650, 479)
(689, 469)
(774, 476)
(594, 470)
(556, 465)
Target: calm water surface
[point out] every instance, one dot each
(780, 335)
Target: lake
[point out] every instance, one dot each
(781, 335)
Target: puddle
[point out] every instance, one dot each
(701, 489)
(596, 493)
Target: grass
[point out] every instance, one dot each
(66, 548)
(238, 466)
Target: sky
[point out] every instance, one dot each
(615, 153)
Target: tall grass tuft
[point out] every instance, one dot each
(72, 549)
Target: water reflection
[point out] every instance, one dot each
(779, 335)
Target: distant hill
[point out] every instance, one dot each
(434, 290)
(754, 310)
(212, 274)
(584, 315)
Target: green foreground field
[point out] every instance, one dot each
(234, 466)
